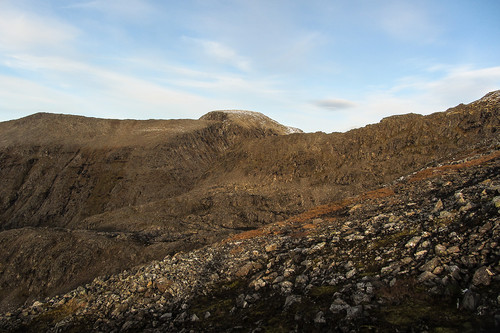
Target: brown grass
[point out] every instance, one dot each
(304, 222)
(329, 209)
(249, 234)
(447, 169)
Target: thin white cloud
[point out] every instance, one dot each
(456, 85)
(21, 97)
(220, 53)
(465, 83)
(23, 31)
(214, 82)
(111, 91)
(425, 96)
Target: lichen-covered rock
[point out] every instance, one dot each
(482, 276)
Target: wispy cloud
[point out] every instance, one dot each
(455, 85)
(334, 104)
(23, 97)
(418, 94)
(117, 91)
(24, 31)
(422, 95)
(220, 53)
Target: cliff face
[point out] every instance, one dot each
(151, 188)
(68, 168)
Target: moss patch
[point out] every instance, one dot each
(323, 291)
(439, 316)
(391, 239)
(51, 317)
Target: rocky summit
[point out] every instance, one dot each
(236, 223)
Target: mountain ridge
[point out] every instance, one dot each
(206, 180)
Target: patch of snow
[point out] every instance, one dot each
(244, 112)
(291, 130)
(491, 97)
(262, 119)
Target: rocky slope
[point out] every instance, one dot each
(420, 254)
(73, 188)
(58, 170)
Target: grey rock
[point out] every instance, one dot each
(438, 206)
(413, 242)
(426, 276)
(320, 318)
(430, 265)
(455, 272)
(182, 317)
(241, 302)
(438, 270)
(482, 276)
(292, 299)
(166, 316)
(286, 287)
(440, 250)
(354, 312)
(360, 298)
(351, 273)
(338, 305)
(278, 279)
(420, 254)
(496, 201)
(271, 247)
(301, 279)
(245, 269)
(128, 325)
(460, 198)
(470, 301)
(445, 214)
(453, 250)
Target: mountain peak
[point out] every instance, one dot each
(248, 118)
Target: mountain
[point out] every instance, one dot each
(84, 197)
(58, 171)
(418, 254)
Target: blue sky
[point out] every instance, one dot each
(317, 65)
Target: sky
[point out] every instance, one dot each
(313, 64)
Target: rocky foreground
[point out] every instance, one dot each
(420, 254)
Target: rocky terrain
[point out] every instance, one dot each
(419, 254)
(58, 172)
(83, 198)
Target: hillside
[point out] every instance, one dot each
(84, 197)
(420, 254)
(58, 170)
